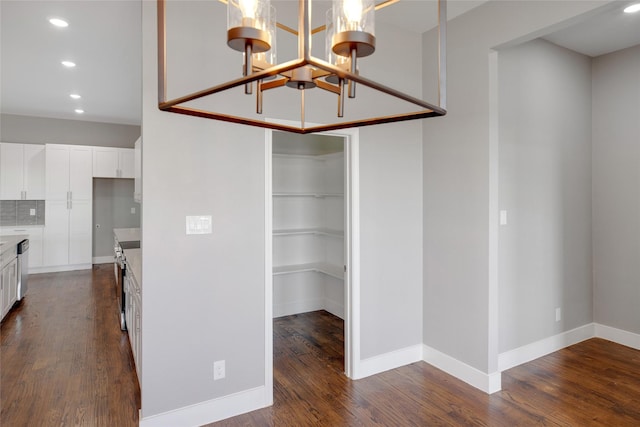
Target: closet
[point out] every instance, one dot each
(308, 224)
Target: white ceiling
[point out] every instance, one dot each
(605, 32)
(104, 39)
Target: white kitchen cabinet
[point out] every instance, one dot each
(137, 168)
(35, 235)
(8, 285)
(68, 206)
(110, 162)
(22, 171)
(308, 237)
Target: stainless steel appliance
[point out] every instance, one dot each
(23, 268)
(120, 268)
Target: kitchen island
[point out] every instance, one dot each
(9, 272)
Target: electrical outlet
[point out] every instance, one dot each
(218, 370)
(503, 217)
(133, 210)
(32, 212)
(558, 314)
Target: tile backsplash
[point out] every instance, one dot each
(21, 212)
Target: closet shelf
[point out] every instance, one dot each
(316, 195)
(320, 267)
(317, 231)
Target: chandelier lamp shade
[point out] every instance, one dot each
(349, 34)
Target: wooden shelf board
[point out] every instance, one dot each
(320, 267)
(316, 230)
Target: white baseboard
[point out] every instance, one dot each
(335, 308)
(489, 383)
(618, 336)
(297, 307)
(529, 352)
(384, 362)
(103, 259)
(59, 268)
(210, 411)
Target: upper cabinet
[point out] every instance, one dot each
(110, 162)
(69, 172)
(22, 171)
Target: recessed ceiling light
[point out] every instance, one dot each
(75, 96)
(68, 64)
(79, 111)
(59, 22)
(633, 8)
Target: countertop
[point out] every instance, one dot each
(127, 234)
(10, 243)
(134, 263)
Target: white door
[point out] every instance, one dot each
(80, 173)
(57, 173)
(34, 170)
(105, 162)
(80, 232)
(11, 177)
(56, 233)
(126, 162)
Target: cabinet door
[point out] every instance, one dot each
(105, 162)
(57, 172)
(11, 176)
(80, 173)
(9, 286)
(34, 159)
(80, 232)
(56, 233)
(35, 234)
(126, 163)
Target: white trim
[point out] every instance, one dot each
(209, 411)
(489, 383)
(59, 268)
(352, 254)
(387, 361)
(529, 352)
(297, 307)
(268, 269)
(334, 308)
(103, 259)
(352, 249)
(618, 336)
(493, 299)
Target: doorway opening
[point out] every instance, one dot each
(311, 246)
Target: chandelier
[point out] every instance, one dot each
(349, 35)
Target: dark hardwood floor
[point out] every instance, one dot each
(64, 362)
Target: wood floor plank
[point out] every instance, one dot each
(65, 362)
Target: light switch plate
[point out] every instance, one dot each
(199, 224)
(503, 217)
(133, 210)
(32, 212)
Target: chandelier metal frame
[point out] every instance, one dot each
(305, 59)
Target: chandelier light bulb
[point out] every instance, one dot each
(353, 12)
(248, 9)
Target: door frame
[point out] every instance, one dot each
(351, 246)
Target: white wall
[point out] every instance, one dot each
(616, 189)
(459, 160)
(112, 203)
(203, 296)
(42, 130)
(545, 188)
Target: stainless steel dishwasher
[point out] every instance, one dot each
(23, 268)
